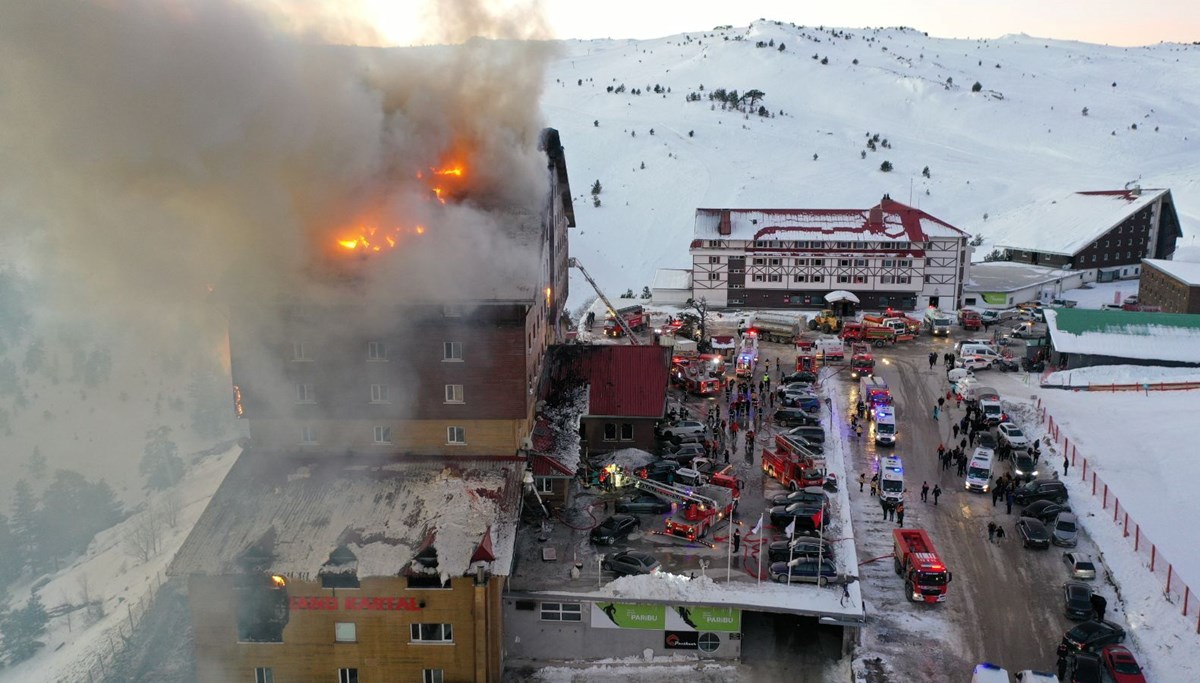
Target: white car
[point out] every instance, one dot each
(1080, 566)
(1013, 436)
(967, 342)
(955, 374)
(684, 428)
(972, 363)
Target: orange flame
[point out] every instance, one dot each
(278, 580)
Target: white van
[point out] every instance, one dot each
(990, 673)
(989, 403)
(979, 470)
(979, 351)
(1031, 676)
(891, 479)
(885, 426)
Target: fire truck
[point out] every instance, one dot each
(696, 508)
(747, 355)
(806, 355)
(915, 559)
(875, 334)
(793, 465)
(970, 320)
(900, 325)
(702, 375)
(862, 363)
(634, 317)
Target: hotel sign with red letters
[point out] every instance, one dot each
(305, 602)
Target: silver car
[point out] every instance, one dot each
(1064, 531)
(1080, 566)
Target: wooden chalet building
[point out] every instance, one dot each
(890, 255)
(1108, 232)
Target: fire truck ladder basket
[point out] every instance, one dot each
(574, 263)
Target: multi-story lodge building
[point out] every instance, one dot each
(890, 255)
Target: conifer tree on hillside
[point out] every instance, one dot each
(22, 630)
(161, 465)
(12, 559)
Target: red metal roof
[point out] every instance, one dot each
(546, 466)
(625, 381)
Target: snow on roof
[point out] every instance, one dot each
(383, 508)
(898, 223)
(672, 278)
(1126, 334)
(1065, 225)
(1187, 272)
(1004, 276)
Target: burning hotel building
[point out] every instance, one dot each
(367, 531)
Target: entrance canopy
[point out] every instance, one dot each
(841, 295)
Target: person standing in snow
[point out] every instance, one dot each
(932, 359)
(737, 540)
(937, 491)
(1066, 464)
(924, 492)
(936, 410)
(862, 479)
(900, 513)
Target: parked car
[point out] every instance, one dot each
(986, 439)
(614, 529)
(1012, 435)
(683, 428)
(813, 446)
(813, 433)
(971, 364)
(1080, 565)
(1025, 330)
(806, 402)
(1131, 300)
(1078, 600)
(796, 388)
(1041, 489)
(806, 516)
(1064, 530)
(629, 562)
(1025, 465)
(1033, 533)
(643, 503)
(1121, 665)
(1031, 676)
(811, 494)
(660, 470)
(803, 547)
(1084, 667)
(795, 417)
(1045, 510)
(1090, 636)
(968, 342)
(799, 378)
(956, 373)
(804, 571)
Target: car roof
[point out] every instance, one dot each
(1078, 586)
(1066, 517)
(637, 554)
(1032, 523)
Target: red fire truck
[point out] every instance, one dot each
(862, 363)
(925, 576)
(697, 508)
(702, 375)
(806, 355)
(635, 318)
(875, 334)
(970, 320)
(793, 465)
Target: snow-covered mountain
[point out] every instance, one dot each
(1048, 117)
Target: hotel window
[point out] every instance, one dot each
(383, 434)
(860, 262)
(759, 261)
(562, 611)
(775, 262)
(714, 276)
(304, 394)
(431, 633)
(451, 351)
(1106, 257)
(734, 285)
(844, 245)
(545, 485)
(844, 263)
(758, 277)
(843, 278)
(801, 262)
(886, 279)
(610, 431)
(1118, 243)
(736, 270)
(904, 263)
(347, 675)
(816, 278)
(775, 277)
(376, 351)
(860, 279)
(345, 632)
(799, 278)
(307, 434)
(454, 393)
(903, 280)
(714, 259)
(300, 351)
(888, 263)
(264, 674)
(379, 393)
(816, 262)
(901, 245)
(627, 431)
(432, 676)
(456, 435)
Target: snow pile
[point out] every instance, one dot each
(630, 458)
(564, 424)
(1121, 374)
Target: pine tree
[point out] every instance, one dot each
(25, 519)
(12, 559)
(925, 171)
(886, 167)
(22, 628)
(597, 188)
(977, 87)
(161, 464)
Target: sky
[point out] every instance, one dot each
(1110, 22)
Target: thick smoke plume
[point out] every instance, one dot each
(150, 148)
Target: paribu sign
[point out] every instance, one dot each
(661, 617)
(306, 602)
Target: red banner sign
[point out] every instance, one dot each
(303, 602)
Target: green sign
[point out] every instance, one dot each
(625, 615)
(995, 298)
(709, 618)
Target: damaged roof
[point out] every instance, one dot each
(624, 381)
(293, 512)
(896, 223)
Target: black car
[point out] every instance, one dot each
(629, 562)
(1033, 533)
(987, 439)
(1090, 636)
(811, 494)
(643, 503)
(801, 401)
(684, 453)
(813, 433)
(799, 378)
(1025, 465)
(1084, 668)
(804, 571)
(795, 417)
(614, 528)
(662, 471)
(1041, 489)
(1078, 600)
(811, 548)
(806, 516)
(1044, 510)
